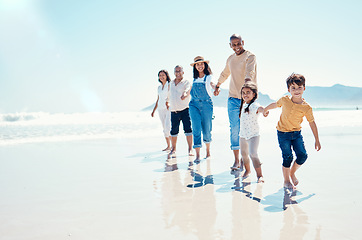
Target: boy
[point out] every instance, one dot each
(294, 108)
(179, 106)
(242, 67)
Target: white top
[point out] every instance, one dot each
(176, 91)
(249, 126)
(207, 84)
(163, 95)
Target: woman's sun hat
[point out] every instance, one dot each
(199, 59)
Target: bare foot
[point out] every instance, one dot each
(246, 174)
(236, 166)
(172, 153)
(191, 153)
(260, 179)
(166, 149)
(241, 168)
(294, 180)
(191, 166)
(288, 185)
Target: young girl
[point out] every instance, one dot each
(163, 111)
(249, 129)
(201, 106)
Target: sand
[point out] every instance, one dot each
(126, 188)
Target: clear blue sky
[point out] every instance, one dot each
(98, 55)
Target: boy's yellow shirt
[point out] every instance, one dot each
(292, 114)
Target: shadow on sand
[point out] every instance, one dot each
(275, 202)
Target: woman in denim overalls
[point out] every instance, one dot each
(201, 106)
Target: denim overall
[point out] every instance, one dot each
(201, 112)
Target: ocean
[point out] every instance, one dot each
(19, 128)
(45, 127)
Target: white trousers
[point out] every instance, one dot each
(165, 117)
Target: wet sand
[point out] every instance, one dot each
(129, 189)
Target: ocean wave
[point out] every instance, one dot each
(46, 127)
(15, 117)
(24, 127)
(43, 118)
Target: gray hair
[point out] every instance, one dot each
(178, 66)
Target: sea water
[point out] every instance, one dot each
(20, 128)
(45, 127)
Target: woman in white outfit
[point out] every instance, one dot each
(163, 111)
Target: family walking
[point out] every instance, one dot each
(179, 101)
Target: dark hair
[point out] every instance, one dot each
(207, 70)
(254, 89)
(235, 36)
(167, 75)
(295, 78)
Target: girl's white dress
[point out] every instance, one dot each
(249, 126)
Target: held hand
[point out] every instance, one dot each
(260, 110)
(217, 91)
(266, 113)
(317, 145)
(167, 106)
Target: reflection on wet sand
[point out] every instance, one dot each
(203, 201)
(198, 177)
(191, 207)
(295, 220)
(279, 201)
(188, 199)
(246, 220)
(171, 165)
(246, 216)
(176, 213)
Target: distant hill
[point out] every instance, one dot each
(336, 95)
(221, 100)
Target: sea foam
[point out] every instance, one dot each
(18, 128)
(45, 127)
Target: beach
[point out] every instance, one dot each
(104, 176)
